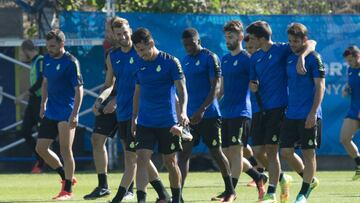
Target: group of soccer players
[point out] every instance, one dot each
(272, 92)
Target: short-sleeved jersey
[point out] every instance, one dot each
(354, 84)
(302, 87)
(270, 69)
(124, 69)
(236, 99)
(157, 105)
(199, 70)
(63, 75)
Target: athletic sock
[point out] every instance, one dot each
(102, 178)
(61, 172)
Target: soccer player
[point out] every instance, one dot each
(158, 78)
(62, 92)
(268, 82)
(121, 63)
(203, 76)
(302, 124)
(236, 105)
(352, 120)
(31, 116)
(106, 125)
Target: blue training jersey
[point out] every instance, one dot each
(302, 87)
(270, 69)
(199, 70)
(63, 75)
(236, 99)
(157, 105)
(354, 83)
(124, 68)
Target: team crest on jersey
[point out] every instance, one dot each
(58, 67)
(131, 60)
(359, 74)
(270, 56)
(158, 68)
(235, 63)
(197, 63)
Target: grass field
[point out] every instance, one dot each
(335, 187)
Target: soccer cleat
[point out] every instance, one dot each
(166, 200)
(185, 133)
(97, 193)
(251, 184)
(129, 196)
(36, 168)
(357, 173)
(285, 188)
(229, 198)
(300, 199)
(63, 195)
(260, 185)
(269, 198)
(219, 197)
(314, 184)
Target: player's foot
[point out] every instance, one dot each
(166, 200)
(269, 198)
(251, 184)
(285, 188)
(63, 195)
(357, 173)
(36, 168)
(97, 193)
(73, 183)
(219, 197)
(313, 185)
(260, 185)
(129, 196)
(229, 198)
(300, 199)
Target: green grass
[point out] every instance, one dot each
(335, 187)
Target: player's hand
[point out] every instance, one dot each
(96, 106)
(197, 117)
(133, 126)
(21, 97)
(110, 107)
(254, 85)
(73, 120)
(300, 66)
(176, 130)
(183, 119)
(42, 111)
(310, 120)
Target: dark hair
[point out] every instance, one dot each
(117, 22)
(352, 50)
(298, 30)
(28, 45)
(190, 33)
(56, 34)
(260, 29)
(247, 38)
(233, 26)
(141, 35)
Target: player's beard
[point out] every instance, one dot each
(232, 47)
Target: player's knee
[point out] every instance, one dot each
(41, 149)
(142, 157)
(170, 162)
(286, 153)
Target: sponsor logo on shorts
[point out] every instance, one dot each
(214, 143)
(172, 147)
(131, 60)
(310, 143)
(274, 138)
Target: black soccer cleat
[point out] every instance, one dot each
(98, 192)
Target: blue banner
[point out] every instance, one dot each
(7, 85)
(333, 34)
